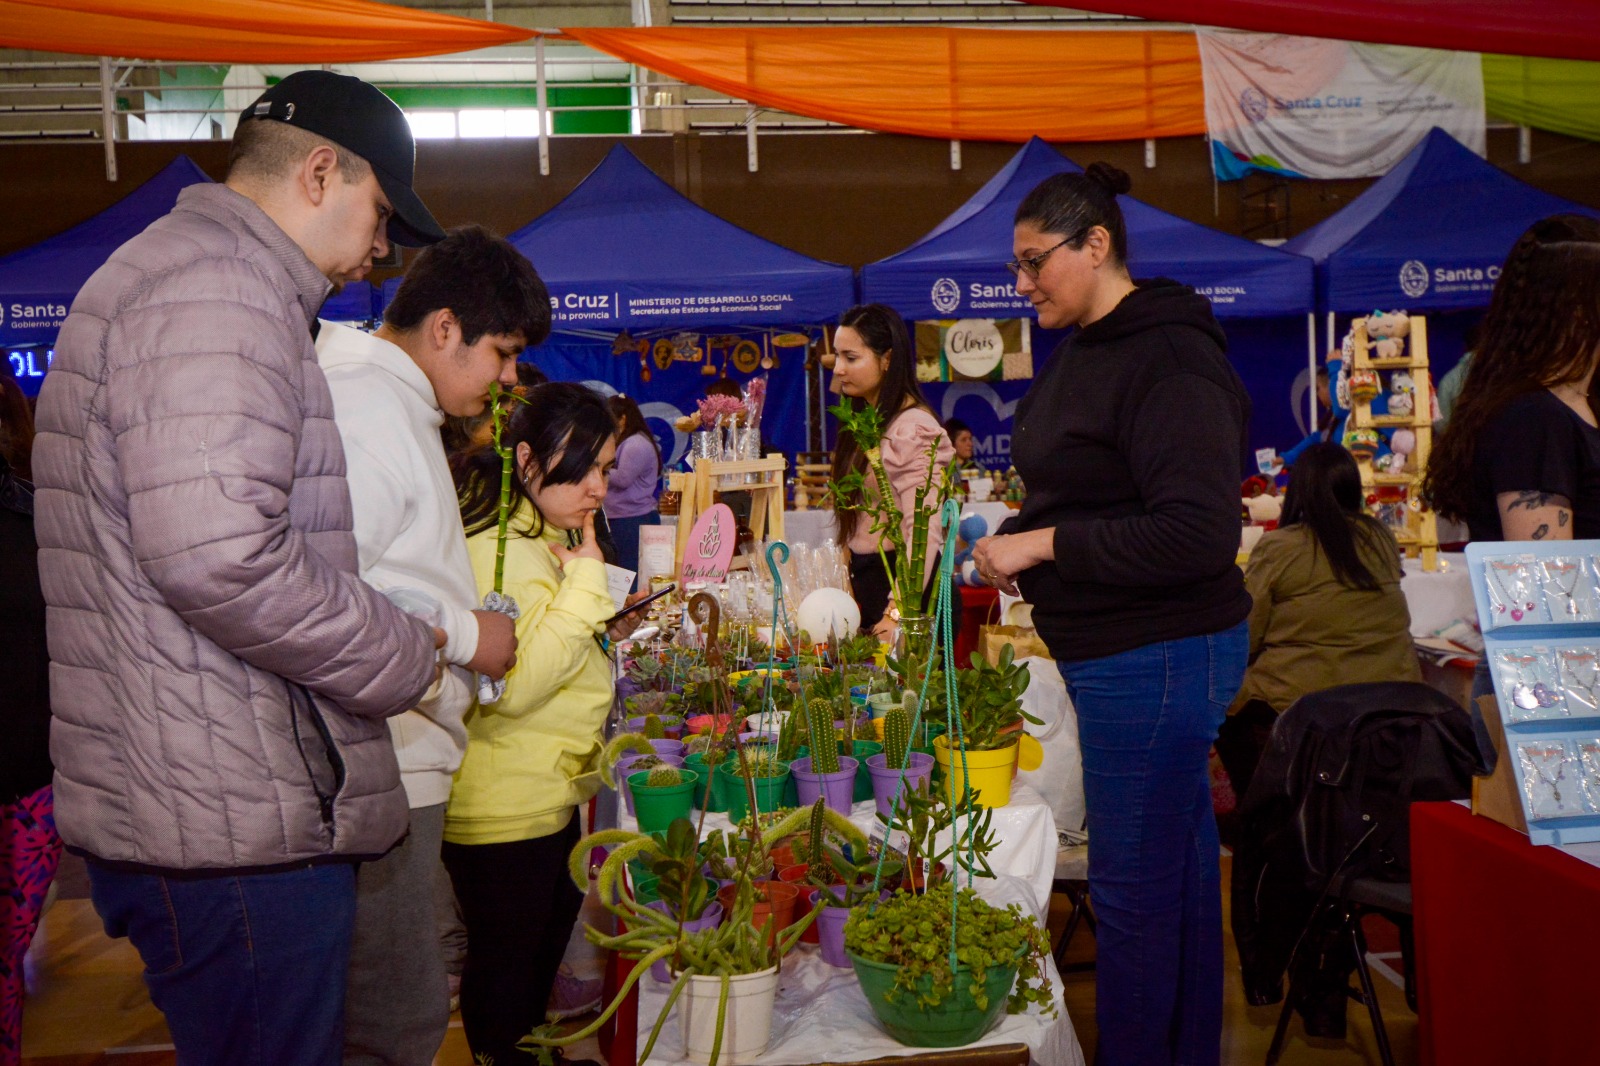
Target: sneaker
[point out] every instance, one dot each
(454, 981)
(573, 996)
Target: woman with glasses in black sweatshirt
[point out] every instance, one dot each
(1131, 443)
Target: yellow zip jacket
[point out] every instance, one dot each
(533, 755)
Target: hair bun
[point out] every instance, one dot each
(1114, 180)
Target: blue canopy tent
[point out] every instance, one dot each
(356, 303)
(38, 284)
(958, 271)
(624, 251)
(1428, 237)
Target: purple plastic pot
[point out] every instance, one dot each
(830, 930)
(674, 729)
(667, 747)
(918, 772)
(837, 788)
(709, 918)
(758, 737)
(625, 767)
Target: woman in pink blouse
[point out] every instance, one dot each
(875, 364)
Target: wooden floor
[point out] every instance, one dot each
(89, 1006)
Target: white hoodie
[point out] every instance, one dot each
(408, 532)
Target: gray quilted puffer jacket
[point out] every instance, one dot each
(219, 674)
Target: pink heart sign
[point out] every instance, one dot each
(710, 547)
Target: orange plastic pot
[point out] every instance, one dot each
(774, 907)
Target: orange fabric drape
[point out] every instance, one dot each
(243, 31)
(997, 85)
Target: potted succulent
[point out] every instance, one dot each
(938, 967)
(898, 767)
(761, 773)
(824, 774)
(990, 699)
(724, 978)
(661, 795)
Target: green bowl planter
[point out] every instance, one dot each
(863, 750)
(957, 1019)
(657, 805)
(770, 792)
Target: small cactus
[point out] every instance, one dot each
(864, 730)
(896, 738)
(816, 852)
(664, 777)
(653, 729)
(824, 748)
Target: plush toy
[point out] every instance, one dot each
(1362, 443)
(1364, 385)
(1402, 393)
(1390, 324)
(1402, 442)
(1389, 348)
(1341, 388)
(972, 529)
(1264, 508)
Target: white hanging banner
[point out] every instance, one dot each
(1312, 108)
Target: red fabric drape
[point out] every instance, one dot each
(243, 31)
(1560, 29)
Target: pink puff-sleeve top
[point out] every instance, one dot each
(905, 460)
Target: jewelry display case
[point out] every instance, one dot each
(1539, 608)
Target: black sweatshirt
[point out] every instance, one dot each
(1131, 444)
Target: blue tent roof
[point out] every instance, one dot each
(958, 269)
(1428, 236)
(625, 250)
(38, 284)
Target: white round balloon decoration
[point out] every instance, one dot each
(828, 613)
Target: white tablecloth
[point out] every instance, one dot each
(821, 1014)
(809, 527)
(1436, 599)
(814, 526)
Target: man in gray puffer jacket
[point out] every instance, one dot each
(220, 675)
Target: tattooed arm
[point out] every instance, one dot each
(1533, 515)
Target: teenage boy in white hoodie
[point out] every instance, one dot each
(468, 307)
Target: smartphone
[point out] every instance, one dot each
(641, 605)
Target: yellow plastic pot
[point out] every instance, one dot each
(990, 772)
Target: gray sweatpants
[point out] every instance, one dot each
(396, 999)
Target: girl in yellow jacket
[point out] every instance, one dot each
(531, 756)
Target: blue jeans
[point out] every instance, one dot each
(1146, 722)
(249, 970)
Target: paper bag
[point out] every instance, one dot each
(1024, 642)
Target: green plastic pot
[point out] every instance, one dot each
(655, 806)
(770, 792)
(956, 1021)
(644, 883)
(864, 748)
(705, 789)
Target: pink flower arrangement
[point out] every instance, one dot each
(726, 408)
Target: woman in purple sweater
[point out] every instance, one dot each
(635, 481)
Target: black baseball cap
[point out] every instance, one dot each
(358, 117)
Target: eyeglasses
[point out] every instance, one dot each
(1031, 265)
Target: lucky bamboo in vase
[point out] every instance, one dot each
(490, 690)
(889, 521)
